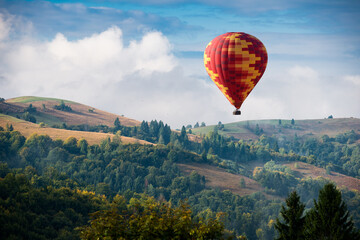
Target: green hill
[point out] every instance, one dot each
(253, 129)
(44, 110)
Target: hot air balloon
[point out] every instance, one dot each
(235, 61)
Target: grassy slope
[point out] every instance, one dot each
(307, 128)
(305, 170)
(28, 128)
(315, 128)
(32, 99)
(218, 178)
(50, 116)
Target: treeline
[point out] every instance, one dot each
(154, 131)
(340, 153)
(108, 168)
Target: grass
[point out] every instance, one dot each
(29, 99)
(202, 130)
(219, 178)
(306, 170)
(41, 117)
(306, 128)
(28, 128)
(46, 113)
(8, 119)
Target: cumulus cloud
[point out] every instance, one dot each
(353, 79)
(91, 62)
(142, 80)
(302, 92)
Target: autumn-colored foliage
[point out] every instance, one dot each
(146, 218)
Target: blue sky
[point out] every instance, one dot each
(143, 59)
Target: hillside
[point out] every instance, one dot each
(28, 128)
(216, 177)
(246, 130)
(305, 170)
(219, 178)
(46, 113)
(247, 180)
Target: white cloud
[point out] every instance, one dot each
(301, 92)
(145, 81)
(142, 80)
(355, 79)
(94, 61)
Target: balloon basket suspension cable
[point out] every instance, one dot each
(236, 112)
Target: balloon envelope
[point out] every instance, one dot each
(235, 61)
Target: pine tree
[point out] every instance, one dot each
(9, 127)
(117, 124)
(183, 135)
(329, 219)
(294, 221)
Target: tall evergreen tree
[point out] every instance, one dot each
(329, 219)
(144, 127)
(117, 124)
(293, 225)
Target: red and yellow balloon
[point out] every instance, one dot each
(235, 61)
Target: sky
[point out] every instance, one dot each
(144, 58)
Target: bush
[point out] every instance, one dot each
(63, 107)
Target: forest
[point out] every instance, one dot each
(53, 189)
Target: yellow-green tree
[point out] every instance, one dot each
(146, 218)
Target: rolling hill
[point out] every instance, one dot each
(219, 178)
(246, 130)
(28, 128)
(46, 113)
(248, 180)
(11, 109)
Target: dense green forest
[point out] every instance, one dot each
(339, 153)
(52, 185)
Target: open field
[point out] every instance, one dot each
(219, 178)
(45, 112)
(306, 170)
(307, 128)
(28, 128)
